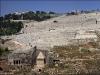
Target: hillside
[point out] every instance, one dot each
(72, 43)
(55, 31)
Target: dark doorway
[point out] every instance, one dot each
(1, 69)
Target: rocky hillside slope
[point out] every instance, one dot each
(55, 31)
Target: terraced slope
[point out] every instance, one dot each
(56, 31)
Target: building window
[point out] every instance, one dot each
(16, 62)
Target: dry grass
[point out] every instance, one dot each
(74, 62)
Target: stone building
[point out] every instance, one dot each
(20, 60)
(30, 59)
(40, 58)
(40, 61)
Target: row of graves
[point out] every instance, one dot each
(85, 36)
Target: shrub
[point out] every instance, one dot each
(84, 50)
(8, 28)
